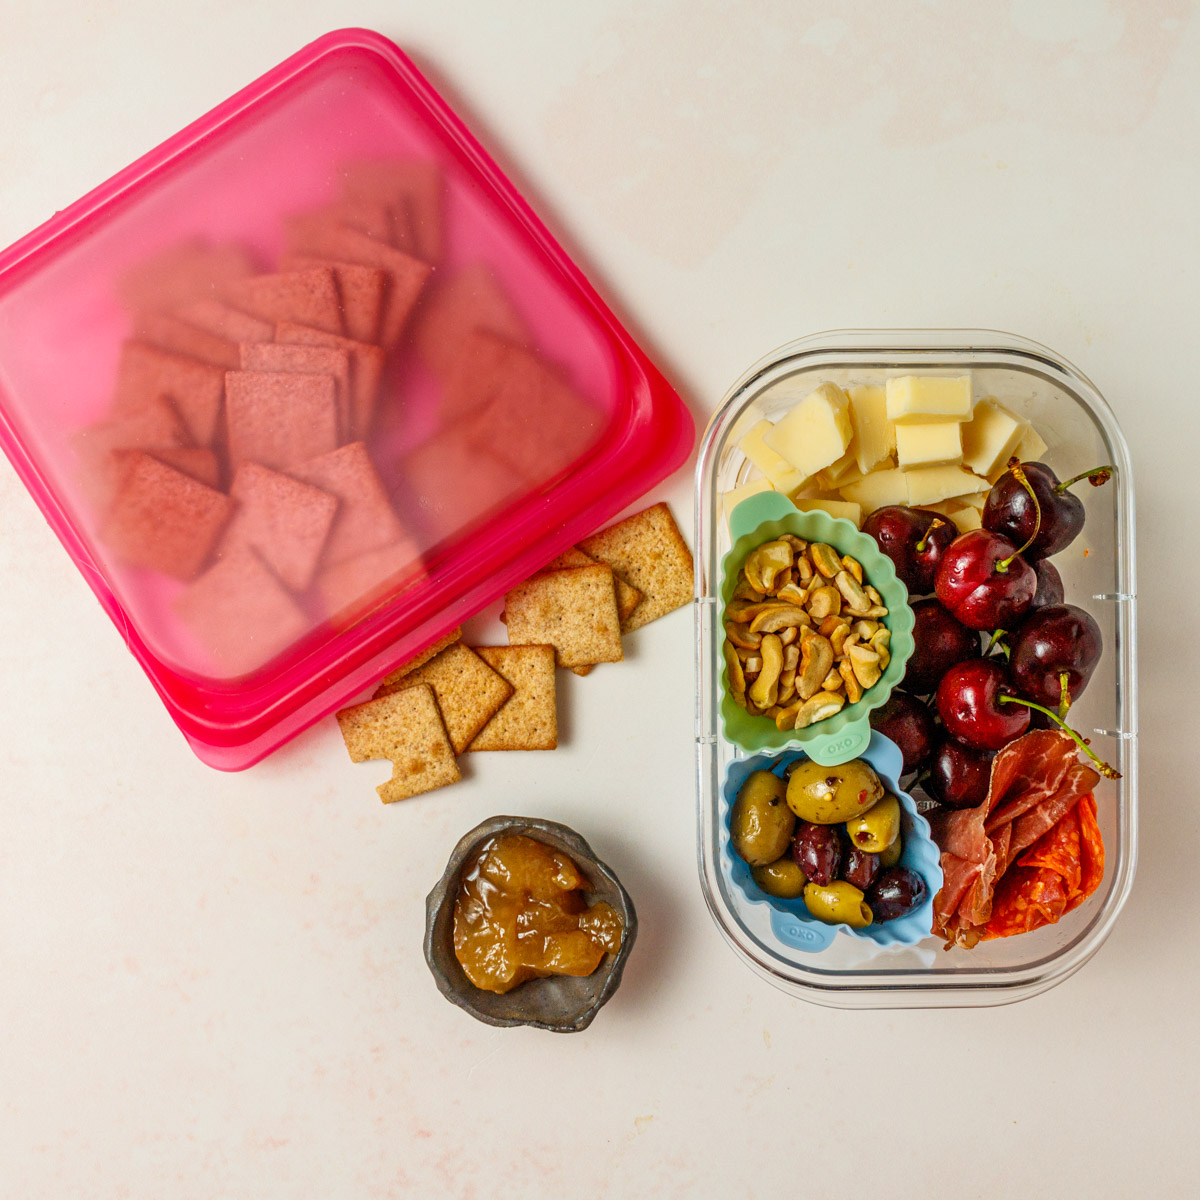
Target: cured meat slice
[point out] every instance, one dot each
(1035, 781)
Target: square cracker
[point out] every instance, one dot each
(648, 551)
(278, 419)
(309, 297)
(575, 611)
(146, 373)
(391, 682)
(528, 720)
(285, 521)
(163, 519)
(353, 587)
(242, 613)
(305, 360)
(628, 597)
(366, 368)
(361, 291)
(468, 691)
(227, 323)
(406, 276)
(412, 185)
(406, 728)
(365, 518)
(176, 336)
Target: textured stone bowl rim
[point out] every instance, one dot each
(459, 990)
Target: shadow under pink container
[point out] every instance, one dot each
(308, 385)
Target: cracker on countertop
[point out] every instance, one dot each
(628, 597)
(391, 683)
(528, 719)
(648, 551)
(407, 729)
(574, 610)
(468, 691)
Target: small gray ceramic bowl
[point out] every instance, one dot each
(560, 1003)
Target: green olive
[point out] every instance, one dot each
(762, 823)
(837, 903)
(876, 830)
(891, 856)
(830, 795)
(781, 878)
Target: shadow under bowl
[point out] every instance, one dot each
(560, 1003)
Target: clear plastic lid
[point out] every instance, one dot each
(308, 384)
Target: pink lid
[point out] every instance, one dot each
(309, 384)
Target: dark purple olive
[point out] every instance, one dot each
(897, 891)
(859, 867)
(817, 851)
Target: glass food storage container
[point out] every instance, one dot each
(1098, 572)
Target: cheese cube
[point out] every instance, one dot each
(928, 485)
(845, 509)
(929, 445)
(1031, 447)
(877, 490)
(874, 434)
(991, 437)
(837, 472)
(732, 498)
(782, 475)
(920, 400)
(967, 518)
(816, 432)
(975, 500)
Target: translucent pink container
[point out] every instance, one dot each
(513, 415)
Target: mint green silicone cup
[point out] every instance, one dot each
(764, 518)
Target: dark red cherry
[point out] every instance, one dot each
(1010, 509)
(968, 701)
(984, 582)
(939, 641)
(909, 723)
(1049, 585)
(1054, 646)
(914, 539)
(959, 774)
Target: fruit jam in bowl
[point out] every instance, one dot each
(965, 458)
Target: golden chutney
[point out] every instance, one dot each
(520, 914)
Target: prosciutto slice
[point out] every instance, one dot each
(1035, 781)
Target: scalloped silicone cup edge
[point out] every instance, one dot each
(920, 854)
(753, 734)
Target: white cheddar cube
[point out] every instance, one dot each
(846, 509)
(975, 500)
(967, 518)
(782, 475)
(1031, 447)
(816, 432)
(874, 434)
(991, 437)
(928, 485)
(929, 445)
(732, 498)
(877, 490)
(920, 400)
(833, 475)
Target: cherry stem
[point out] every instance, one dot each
(1064, 702)
(996, 642)
(936, 523)
(1103, 767)
(1015, 467)
(1097, 477)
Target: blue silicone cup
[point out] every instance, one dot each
(845, 735)
(790, 920)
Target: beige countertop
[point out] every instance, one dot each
(212, 985)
